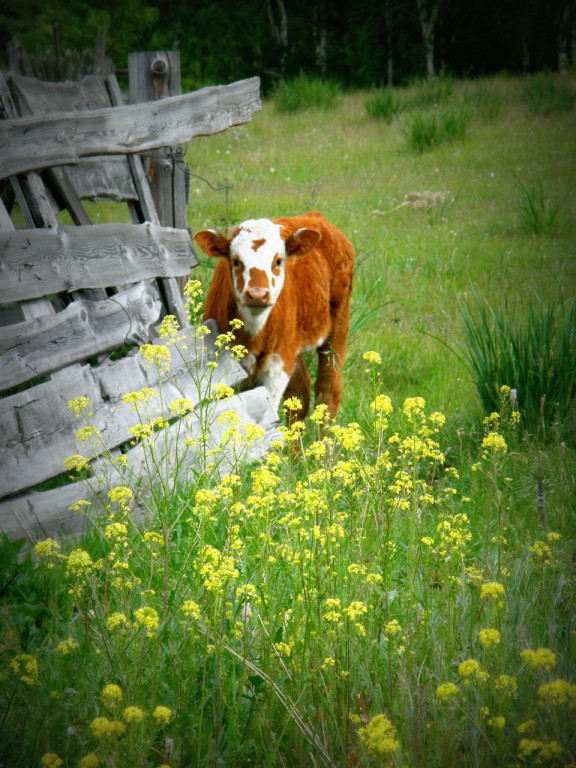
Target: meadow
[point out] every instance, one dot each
(402, 591)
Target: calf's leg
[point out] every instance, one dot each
(299, 386)
(331, 356)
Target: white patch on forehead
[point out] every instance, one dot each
(257, 242)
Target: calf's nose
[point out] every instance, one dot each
(257, 296)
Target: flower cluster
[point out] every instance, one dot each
(379, 737)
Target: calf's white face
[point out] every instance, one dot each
(257, 254)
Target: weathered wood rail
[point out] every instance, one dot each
(71, 294)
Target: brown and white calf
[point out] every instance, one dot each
(290, 282)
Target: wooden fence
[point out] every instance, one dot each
(72, 294)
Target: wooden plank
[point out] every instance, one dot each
(38, 97)
(144, 209)
(108, 177)
(155, 75)
(39, 432)
(35, 263)
(104, 177)
(38, 515)
(82, 330)
(32, 143)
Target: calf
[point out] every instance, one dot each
(289, 281)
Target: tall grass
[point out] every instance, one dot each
(350, 605)
(385, 104)
(303, 92)
(543, 95)
(427, 130)
(457, 538)
(534, 354)
(537, 215)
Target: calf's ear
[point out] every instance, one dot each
(302, 241)
(213, 243)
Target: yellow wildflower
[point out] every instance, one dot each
(348, 437)
(121, 495)
(115, 531)
(112, 693)
(133, 715)
(89, 761)
(472, 668)
(542, 751)
(372, 357)
(103, 728)
(542, 657)
(169, 328)
(181, 406)
(392, 629)
(333, 607)
(489, 637)
(79, 505)
(438, 420)
(292, 404)
(379, 736)
(382, 404)
(328, 663)
(79, 561)
(156, 354)
(79, 406)
(116, 620)
(89, 433)
(493, 590)
(147, 617)
(493, 444)
(506, 685)
(51, 760)
(320, 413)
(496, 722)
(541, 552)
(414, 407)
(221, 391)
(67, 646)
(162, 715)
(446, 691)
(76, 463)
(558, 692)
(139, 396)
(527, 725)
(26, 667)
(47, 548)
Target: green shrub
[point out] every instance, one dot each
(427, 130)
(429, 93)
(305, 92)
(537, 215)
(535, 356)
(485, 102)
(384, 103)
(543, 96)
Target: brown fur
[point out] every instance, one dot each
(313, 304)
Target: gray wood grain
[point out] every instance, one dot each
(38, 262)
(82, 330)
(32, 143)
(37, 515)
(39, 432)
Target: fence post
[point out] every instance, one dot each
(154, 75)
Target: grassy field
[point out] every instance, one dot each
(403, 592)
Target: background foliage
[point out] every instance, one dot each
(354, 42)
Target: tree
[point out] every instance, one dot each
(428, 11)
